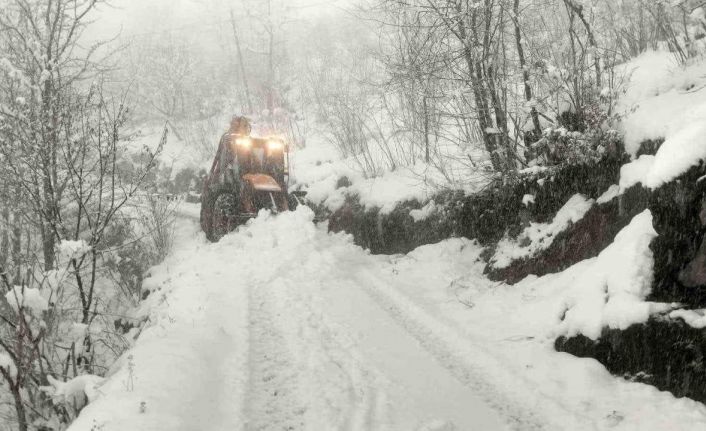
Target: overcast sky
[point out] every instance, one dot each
(138, 18)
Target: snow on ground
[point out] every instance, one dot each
(662, 97)
(663, 101)
(539, 236)
(318, 168)
(515, 326)
(694, 318)
(677, 154)
(612, 290)
(187, 368)
(283, 325)
(321, 182)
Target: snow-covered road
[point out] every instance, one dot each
(326, 355)
(283, 326)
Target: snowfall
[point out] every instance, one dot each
(285, 326)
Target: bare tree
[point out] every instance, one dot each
(41, 38)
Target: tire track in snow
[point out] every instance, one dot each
(438, 339)
(273, 402)
(303, 372)
(358, 403)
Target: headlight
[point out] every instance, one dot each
(275, 145)
(243, 142)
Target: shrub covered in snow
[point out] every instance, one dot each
(560, 146)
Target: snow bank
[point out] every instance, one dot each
(686, 148)
(76, 392)
(392, 188)
(187, 369)
(612, 290)
(661, 98)
(318, 168)
(506, 334)
(663, 101)
(634, 172)
(539, 236)
(385, 191)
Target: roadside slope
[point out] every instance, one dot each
(186, 370)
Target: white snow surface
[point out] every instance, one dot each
(663, 100)
(283, 325)
(539, 236)
(676, 155)
(424, 212)
(611, 291)
(318, 168)
(385, 191)
(75, 392)
(527, 199)
(694, 318)
(610, 194)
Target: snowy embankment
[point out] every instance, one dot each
(185, 371)
(663, 101)
(318, 169)
(283, 325)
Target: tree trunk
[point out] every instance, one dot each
(241, 62)
(5, 237)
(578, 10)
(426, 129)
(49, 135)
(20, 408)
(525, 73)
(485, 122)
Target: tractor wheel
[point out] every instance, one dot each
(225, 208)
(205, 222)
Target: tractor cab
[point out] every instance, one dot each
(248, 174)
(266, 156)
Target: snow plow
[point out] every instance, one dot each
(248, 174)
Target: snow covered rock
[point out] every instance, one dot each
(424, 212)
(662, 98)
(76, 392)
(539, 236)
(612, 291)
